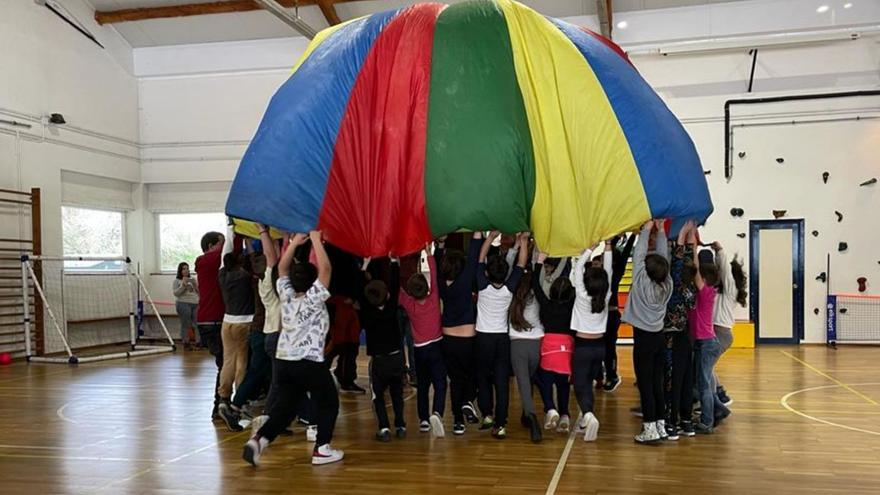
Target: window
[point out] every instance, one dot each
(92, 233)
(180, 235)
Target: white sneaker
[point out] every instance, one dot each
(326, 455)
(254, 449)
(581, 423)
(591, 427)
(564, 424)
(648, 434)
(258, 423)
(437, 426)
(424, 426)
(311, 433)
(551, 419)
(661, 429)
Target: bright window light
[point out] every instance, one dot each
(847, 5)
(822, 9)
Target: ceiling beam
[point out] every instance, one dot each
(191, 9)
(329, 12)
(294, 21)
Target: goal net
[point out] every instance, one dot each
(85, 307)
(853, 319)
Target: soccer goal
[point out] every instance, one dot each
(87, 303)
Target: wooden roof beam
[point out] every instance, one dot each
(221, 7)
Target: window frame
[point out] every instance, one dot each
(123, 233)
(157, 229)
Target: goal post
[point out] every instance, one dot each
(92, 305)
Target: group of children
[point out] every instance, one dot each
(478, 317)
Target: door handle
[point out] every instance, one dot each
(794, 286)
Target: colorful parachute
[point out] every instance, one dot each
(409, 124)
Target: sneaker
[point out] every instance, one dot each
(564, 424)
(534, 429)
(721, 416)
(470, 413)
(383, 435)
(458, 429)
(590, 426)
(671, 432)
(253, 450)
(611, 385)
(258, 423)
(723, 397)
(551, 419)
(488, 422)
(648, 435)
(325, 455)
(424, 426)
(400, 432)
(686, 428)
(312, 433)
(499, 432)
(702, 429)
(437, 426)
(248, 413)
(229, 416)
(636, 411)
(661, 429)
(352, 388)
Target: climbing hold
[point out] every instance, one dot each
(843, 310)
(869, 182)
(825, 177)
(842, 246)
(779, 213)
(839, 216)
(815, 311)
(822, 277)
(742, 154)
(736, 212)
(707, 172)
(862, 281)
(815, 233)
(741, 235)
(780, 160)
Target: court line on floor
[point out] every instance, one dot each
(560, 466)
(835, 380)
(784, 402)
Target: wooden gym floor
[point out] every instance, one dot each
(805, 420)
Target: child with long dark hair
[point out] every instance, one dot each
(557, 346)
(589, 320)
(186, 302)
(526, 332)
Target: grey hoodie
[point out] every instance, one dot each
(646, 304)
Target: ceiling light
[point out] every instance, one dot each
(822, 9)
(847, 5)
(622, 25)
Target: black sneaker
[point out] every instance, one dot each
(458, 429)
(702, 429)
(383, 435)
(470, 413)
(499, 432)
(671, 432)
(229, 416)
(611, 384)
(352, 388)
(686, 428)
(488, 423)
(721, 416)
(723, 397)
(401, 432)
(534, 428)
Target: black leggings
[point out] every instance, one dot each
(546, 380)
(648, 361)
(458, 352)
(209, 335)
(585, 363)
(386, 373)
(430, 371)
(493, 375)
(293, 380)
(681, 404)
(610, 339)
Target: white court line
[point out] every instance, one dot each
(784, 402)
(560, 466)
(60, 414)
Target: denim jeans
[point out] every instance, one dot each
(706, 354)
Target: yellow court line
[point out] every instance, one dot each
(835, 380)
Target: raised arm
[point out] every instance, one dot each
(724, 271)
(641, 249)
(324, 268)
(607, 261)
(268, 246)
(698, 279)
(394, 283)
(577, 278)
(286, 260)
(487, 244)
(228, 242)
(523, 257)
(661, 244)
(536, 280)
